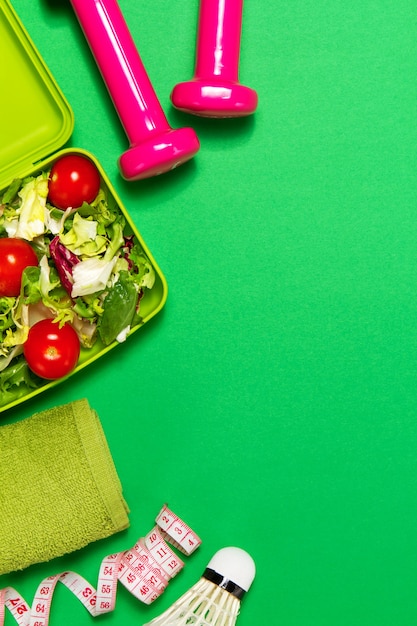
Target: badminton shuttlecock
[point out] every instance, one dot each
(215, 599)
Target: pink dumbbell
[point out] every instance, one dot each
(154, 146)
(214, 90)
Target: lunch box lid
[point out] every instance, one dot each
(35, 118)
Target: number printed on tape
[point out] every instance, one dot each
(180, 535)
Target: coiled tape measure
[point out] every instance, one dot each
(145, 570)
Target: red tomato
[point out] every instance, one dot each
(15, 255)
(51, 352)
(74, 179)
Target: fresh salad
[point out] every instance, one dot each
(70, 274)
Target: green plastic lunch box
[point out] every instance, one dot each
(33, 131)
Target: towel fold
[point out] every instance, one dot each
(59, 489)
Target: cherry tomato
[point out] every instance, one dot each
(15, 256)
(51, 352)
(74, 179)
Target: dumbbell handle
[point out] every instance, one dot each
(218, 39)
(121, 67)
(154, 146)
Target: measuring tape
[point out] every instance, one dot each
(145, 570)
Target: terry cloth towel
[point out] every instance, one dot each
(59, 489)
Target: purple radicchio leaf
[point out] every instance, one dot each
(64, 261)
(127, 247)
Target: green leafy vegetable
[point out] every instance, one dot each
(16, 381)
(119, 309)
(32, 213)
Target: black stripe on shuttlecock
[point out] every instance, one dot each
(223, 582)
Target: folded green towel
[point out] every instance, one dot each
(59, 489)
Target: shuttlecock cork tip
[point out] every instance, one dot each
(235, 566)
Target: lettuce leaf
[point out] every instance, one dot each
(91, 276)
(82, 238)
(33, 213)
(119, 308)
(16, 381)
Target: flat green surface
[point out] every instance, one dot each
(272, 403)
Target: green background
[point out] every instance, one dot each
(272, 403)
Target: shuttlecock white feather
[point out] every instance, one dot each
(215, 599)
